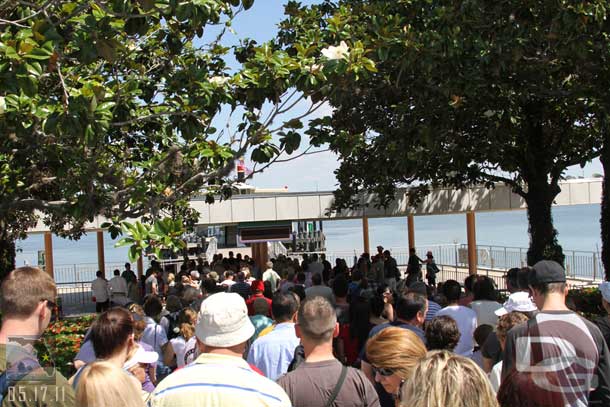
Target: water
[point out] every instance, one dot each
(578, 228)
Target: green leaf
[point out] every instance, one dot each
(247, 4)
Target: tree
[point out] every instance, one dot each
(465, 93)
(108, 107)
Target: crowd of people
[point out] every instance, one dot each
(302, 332)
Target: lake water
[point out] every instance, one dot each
(578, 228)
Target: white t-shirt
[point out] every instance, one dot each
(118, 287)
(154, 335)
(273, 277)
(186, 351)
(485, 312)
(495, 376)
(466, 320)
(99, 286)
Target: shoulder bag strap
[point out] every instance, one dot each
(338, 386)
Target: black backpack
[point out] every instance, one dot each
(173, 327)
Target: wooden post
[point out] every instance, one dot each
(411, 228)
(48, 254)
(365, 234)
(140, 267)
(260, 253)
(101, 264)
(472, 242)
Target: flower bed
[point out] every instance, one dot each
(61, 341)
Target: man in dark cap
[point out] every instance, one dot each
(557, 354)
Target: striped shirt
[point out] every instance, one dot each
(218, 380)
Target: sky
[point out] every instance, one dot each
(314, 172)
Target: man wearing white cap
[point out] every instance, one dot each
(220, 376)
(603, 323)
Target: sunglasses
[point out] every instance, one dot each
(50, 304)
(382, 371)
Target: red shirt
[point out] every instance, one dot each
(254, 297)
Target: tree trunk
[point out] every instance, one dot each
(543, 236)
(605, 209)
(7, 255)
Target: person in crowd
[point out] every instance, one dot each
(112, 337)
(132, 283)
(272, 353)
(518, 300)
(354, 287)
(229, 279)
(346, 344)
(465, 318)
(480, 336)
(99, 287)
(442, 333)
(241, 287)
(376, 276)
(411, 309)
(387, 295)
(573, 347)
(318, 289)
(484, 301)
(154, 334)
(151, 284)
(393, 353)
(287, 283)
(27, 299)
(117, 287)
(257, 295)
(220, 376)
(321, 380)
(431, 269)
(314, 266)
(505, 323)
(468, 296)
(169, 321)
(104, 384)
(139, 325)
(603, 323)
(444, 379)
(272, 276)
(260, 320)
(138, 365)
(423, 289)
(173, 288)
(327, 267)
(182, 349)
(391, 272)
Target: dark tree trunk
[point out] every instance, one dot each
(7, 254)
(543, 236)
(605, 210)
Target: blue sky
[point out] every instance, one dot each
(314, 172)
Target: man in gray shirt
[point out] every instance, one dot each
(322, 380)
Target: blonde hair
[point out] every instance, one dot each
(396, 349)
(187, 320)
(103, 384)
(444, 379)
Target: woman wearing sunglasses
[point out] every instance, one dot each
(393, 354)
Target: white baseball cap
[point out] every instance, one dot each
(141, 356)
(223, 321)
(519, 301)
(604, 288)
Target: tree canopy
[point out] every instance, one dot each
(112, 108)
(464, 93)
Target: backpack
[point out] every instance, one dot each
(7, 380)
(172, 327)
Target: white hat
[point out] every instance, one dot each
(223, 321)
(604, 288)
(195, 274)
(519, 301)
(141, 356)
